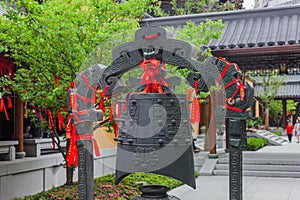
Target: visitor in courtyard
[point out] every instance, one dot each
(297, 130)
(289, 130)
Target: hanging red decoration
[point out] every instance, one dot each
(72, 156)
(3, 108)
(6, 66)
(193, 94)
(9, 103)
(61, 123)
(152, 75)
(96, 148)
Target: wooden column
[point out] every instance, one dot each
(205, 122)
(19, 124)
(256, 108)
(227, 133)
(283, 113)
(212, 124)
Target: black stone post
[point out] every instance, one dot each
(237, 130)
(85, 170)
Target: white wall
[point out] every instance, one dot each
(29, 176)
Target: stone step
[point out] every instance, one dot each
(266, 155)
(247, 167)
(199, 159)
(261, 173)
(272, 138)
(264, 161)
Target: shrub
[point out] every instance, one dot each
(104, 187)
(253, 144)
(278, 133)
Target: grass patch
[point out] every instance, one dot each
(105, 189)
(253, 144)
(278, 133)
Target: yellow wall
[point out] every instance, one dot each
(105, 140)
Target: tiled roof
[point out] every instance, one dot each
(286, 78)
(290, 89)
(246, 28)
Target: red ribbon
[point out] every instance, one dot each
(72, 156)
(233, 108)
(148, 37)
(102, 96)
(152, 75)
(9, 104)
(69, 127)
(195, 117)
(96, 148)
(50, 120)
(61, 123)
(3, 108)
(239, 88)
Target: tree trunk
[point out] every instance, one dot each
(267, 118)
(69, 170)
(19, 124)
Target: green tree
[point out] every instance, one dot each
(54, 38)
(270, 86)
(199, 6)
(276, 109)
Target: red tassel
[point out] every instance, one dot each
(116, 129)
(102, 96)
(9, 104)
(73, 102)
(72, 84)
(195, 113)
(96, 148)
(72, 156)
(242, 92)
(50, 120)
(95, 97)
(3, 108)
(69, 128)
(1, 104)
(111, 116)
(101, 104)
(61, 123)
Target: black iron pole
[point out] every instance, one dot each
(235, 174)
(237, 129)
(85, 170)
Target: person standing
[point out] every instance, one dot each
(289, 131)
(297, 130)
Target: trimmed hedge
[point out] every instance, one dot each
(253, 144)
(105, 189)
